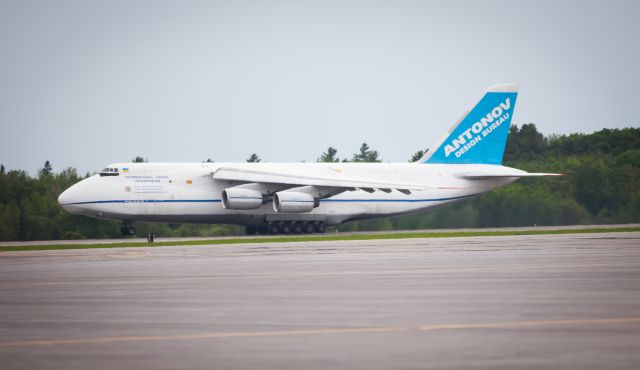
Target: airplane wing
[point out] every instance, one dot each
(481, 175)
(252, 176)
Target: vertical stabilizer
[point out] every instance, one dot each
(481, 135)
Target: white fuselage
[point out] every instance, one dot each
(187, 192)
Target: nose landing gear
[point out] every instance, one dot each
(127, 229)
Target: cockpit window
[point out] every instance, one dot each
(109, 171)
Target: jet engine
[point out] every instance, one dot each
(238, 198)
(294, 202)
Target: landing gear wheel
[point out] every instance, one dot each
(296, 227)
(128, 230)
(307, 227)
(284, 228)
(320, 227)
(251, 230)
(273, 228)
(263, 230)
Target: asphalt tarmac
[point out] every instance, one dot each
(518, 302)
(143, 238)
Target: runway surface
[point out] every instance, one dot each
(548, 301)
(142, 238)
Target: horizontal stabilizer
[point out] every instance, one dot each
(479, 175)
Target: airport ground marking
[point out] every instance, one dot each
(323, 237)
(529, 324)
(322, 331)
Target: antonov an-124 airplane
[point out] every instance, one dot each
(307, 197)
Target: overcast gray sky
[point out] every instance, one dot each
(86, 83)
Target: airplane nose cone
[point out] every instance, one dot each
(64, 198)
(69, 199)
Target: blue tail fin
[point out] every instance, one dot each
(481, 135)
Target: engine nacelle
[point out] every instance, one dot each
(294, 202)
(238, 198)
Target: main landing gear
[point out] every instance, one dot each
(287, 227)
(127, 228)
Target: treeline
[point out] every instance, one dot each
(600, 185)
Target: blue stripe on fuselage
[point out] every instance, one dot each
(398, 200)
(219, 200)
(146, 201)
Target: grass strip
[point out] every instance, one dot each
(324, 237)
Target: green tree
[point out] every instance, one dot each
(253, 158)
(1, 169)
(9, 221)
(139, 159)
(46, 170)
(417, 155)
(329, 156)
(366, 155)
(525, 143)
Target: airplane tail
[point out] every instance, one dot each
(481, 135)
